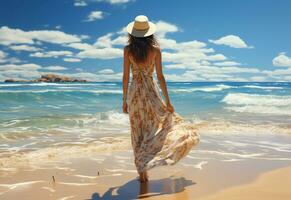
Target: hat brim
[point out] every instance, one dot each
(141, 33)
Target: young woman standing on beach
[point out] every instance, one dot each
(159, 135)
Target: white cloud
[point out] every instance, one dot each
(2, 54)
(227, 63)
(193, 76)
(278, 72)
(24, 48)
(5, 59)
(94, 15)
(104, 41)
(118, 1)
(19, 67)
(258, 78)
(10, 60)
(107, 40)
(186, 76)
(120, 40)
(164, 27)
(232, 41)
(72, 60)
(80, 3)
(102, 53)
(286, 78)
(10, 36)
(282, 60)
(101, 49)
(22, 71)
(80, 46)
(54, 54)
(106, 71)
(55, 68)
(94, 77)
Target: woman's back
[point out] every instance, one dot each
(147, 67)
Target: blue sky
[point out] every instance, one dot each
(205, 40)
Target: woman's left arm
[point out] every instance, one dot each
(126, 70)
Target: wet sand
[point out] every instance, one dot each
(113, 176)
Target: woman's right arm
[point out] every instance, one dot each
(161, 78)
(125, 78)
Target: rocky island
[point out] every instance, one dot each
(49, 78)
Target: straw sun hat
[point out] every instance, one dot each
(141, 27)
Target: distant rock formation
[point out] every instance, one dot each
(49, 78)
(57, 78)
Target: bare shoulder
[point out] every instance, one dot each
(126, 51)
(157, 50)
(126, 48)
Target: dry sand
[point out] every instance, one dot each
(274, 185)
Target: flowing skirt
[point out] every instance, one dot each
(158, 137)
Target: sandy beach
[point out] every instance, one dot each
(101, 178)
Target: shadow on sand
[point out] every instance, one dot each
(136, 190)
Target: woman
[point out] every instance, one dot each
(159, 135)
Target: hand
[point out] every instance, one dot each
(124, 107)
(170, 107)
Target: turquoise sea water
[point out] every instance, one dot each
(40, 101)
(44, 116)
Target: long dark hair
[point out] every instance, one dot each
(139, 47)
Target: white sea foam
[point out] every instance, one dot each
(198, 166)
(218, 87)
(256, 99)
(78, 130)
(45, 156)
(274, 110)
(263, 87)
(254, 103)
(231, 154)
(234, 128)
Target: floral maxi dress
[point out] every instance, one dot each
(158, 137)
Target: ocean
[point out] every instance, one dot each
(243, 120)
